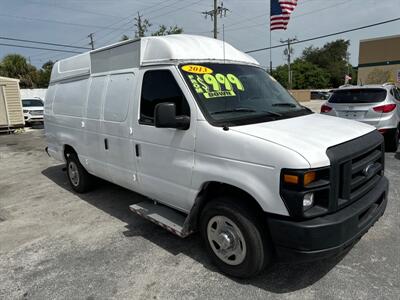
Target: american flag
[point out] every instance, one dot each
(280, 13)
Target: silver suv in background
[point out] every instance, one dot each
(33, 110)
(377, 105)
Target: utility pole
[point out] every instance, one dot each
(218, 10)
(91, 40)
(289, 50)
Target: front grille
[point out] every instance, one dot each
(359, 175)
(37, 112)
(357, 167)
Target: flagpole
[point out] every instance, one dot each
(270, 50)
(270, 40)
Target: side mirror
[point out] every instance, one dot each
(165, 117)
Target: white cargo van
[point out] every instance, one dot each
(217, 146)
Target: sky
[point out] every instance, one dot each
(246, 23)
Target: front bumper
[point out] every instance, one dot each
(331, 234)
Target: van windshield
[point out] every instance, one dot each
(31, 102)
(367, 95)
(232, 94)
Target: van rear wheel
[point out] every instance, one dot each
(78, 177)
(234, 238)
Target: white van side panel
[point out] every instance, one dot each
(55, 149)
(64, 118)
(94, 156)
(116, 129)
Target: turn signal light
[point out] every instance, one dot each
(325, 108)
(385, 108)
(309, 177)
(293, 179)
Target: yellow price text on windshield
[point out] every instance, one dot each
(196, 69)
(215, 86)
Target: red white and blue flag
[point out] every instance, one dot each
(280, 13)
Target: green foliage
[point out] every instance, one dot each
(16, 66)
(305, 75)
(332, 57)
(142, 26)
(163, 30)
(43, 75)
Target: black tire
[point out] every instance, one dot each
(83, 182)
(257, 255)
(392, 140)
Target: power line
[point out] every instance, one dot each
(121, 29)
(293, 17)
(42, 43)
(326, 35)
(39, 48)
(54, 21)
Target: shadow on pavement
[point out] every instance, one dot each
(115, 200)
(37, 126)
(397, 156)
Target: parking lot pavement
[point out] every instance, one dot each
(55, 244)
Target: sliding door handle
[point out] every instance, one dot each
(106, 144)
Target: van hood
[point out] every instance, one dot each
(309, 135)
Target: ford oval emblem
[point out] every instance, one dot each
(369, 170)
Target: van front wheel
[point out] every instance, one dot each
(78, 177)
(233, 238)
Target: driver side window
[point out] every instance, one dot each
(160, 86)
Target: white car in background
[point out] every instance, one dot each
(33, 110)
(376, 105)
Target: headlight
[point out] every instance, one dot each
(305, 192)
(26, 111)
(308, 201)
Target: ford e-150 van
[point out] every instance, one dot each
(217, 146)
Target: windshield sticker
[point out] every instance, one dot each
(216, 86)
(196, 69)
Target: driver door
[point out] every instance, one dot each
(165, 156)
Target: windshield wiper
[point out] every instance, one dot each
(285, 104)
(239, 109)
(244, 109)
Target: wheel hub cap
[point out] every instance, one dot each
(73, 173)
(226, 240)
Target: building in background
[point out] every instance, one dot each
(11, 116)
(379, 60)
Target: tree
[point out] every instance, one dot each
(333, 57)
(43, 75)
(16, 66)
(163, 30)
(142, 26)
(305, 75)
